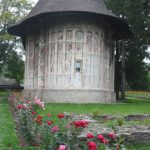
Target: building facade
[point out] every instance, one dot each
(69, 56)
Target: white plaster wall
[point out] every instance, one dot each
(52, 53)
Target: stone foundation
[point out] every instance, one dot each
(73, 96)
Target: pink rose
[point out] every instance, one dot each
(41, 104)
(24, 106)
(62, 147)
(37, 100)
(55, 129)
(68, 126)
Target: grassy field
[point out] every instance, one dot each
(7, 131)
(138, 94)
(8, 137)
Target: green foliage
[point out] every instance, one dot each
(7, 130)
(136, 13)
(120, 121)
(95, 114)
(15, 67)
(42, 130)
(11, 63)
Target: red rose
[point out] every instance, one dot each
(49, 123)
(76, 123)
(33, 113)
(55, 129)
(90, 136)
(80, 123)
(84, 123)
(111, 135)
(91, 145)
(49, 115)
(101, 137)
(60, 116)
(20, 106)
(105, 141)
(39, 119)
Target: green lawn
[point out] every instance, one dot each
(132, 106)
(142, 146)
(7, 131)
(8, 136)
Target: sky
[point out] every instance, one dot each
(35, 1)
(147, 61)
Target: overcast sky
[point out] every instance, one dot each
(35, 1)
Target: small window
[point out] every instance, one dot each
(78, 65)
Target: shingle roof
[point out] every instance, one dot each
(93, 6)
(60, 6)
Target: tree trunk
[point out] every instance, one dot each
(117, 85)
(123, 71)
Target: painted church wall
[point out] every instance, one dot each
(77, 56)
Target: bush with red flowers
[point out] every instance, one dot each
(28, 119)
(41, 130)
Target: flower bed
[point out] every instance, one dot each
(41, 130)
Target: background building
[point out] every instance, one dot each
(69, 50)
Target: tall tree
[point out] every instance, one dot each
(136, 13)
(11, 63)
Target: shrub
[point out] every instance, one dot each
(41, 130)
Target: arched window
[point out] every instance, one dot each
(89, 41)
(89, 38)
(79, 36)
(79, 41)
(69, 35)
(60, 35)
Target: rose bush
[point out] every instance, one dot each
(28, 119)
(42, 130)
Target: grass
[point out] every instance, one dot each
(7, 131)
(139, 146)
(132, 106)
(138, 94)
(8, 137)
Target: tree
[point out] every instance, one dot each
(136, 13)
(11, 63)
(15, 67)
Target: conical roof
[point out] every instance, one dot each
(44, 7)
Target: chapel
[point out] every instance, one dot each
(69, 47)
